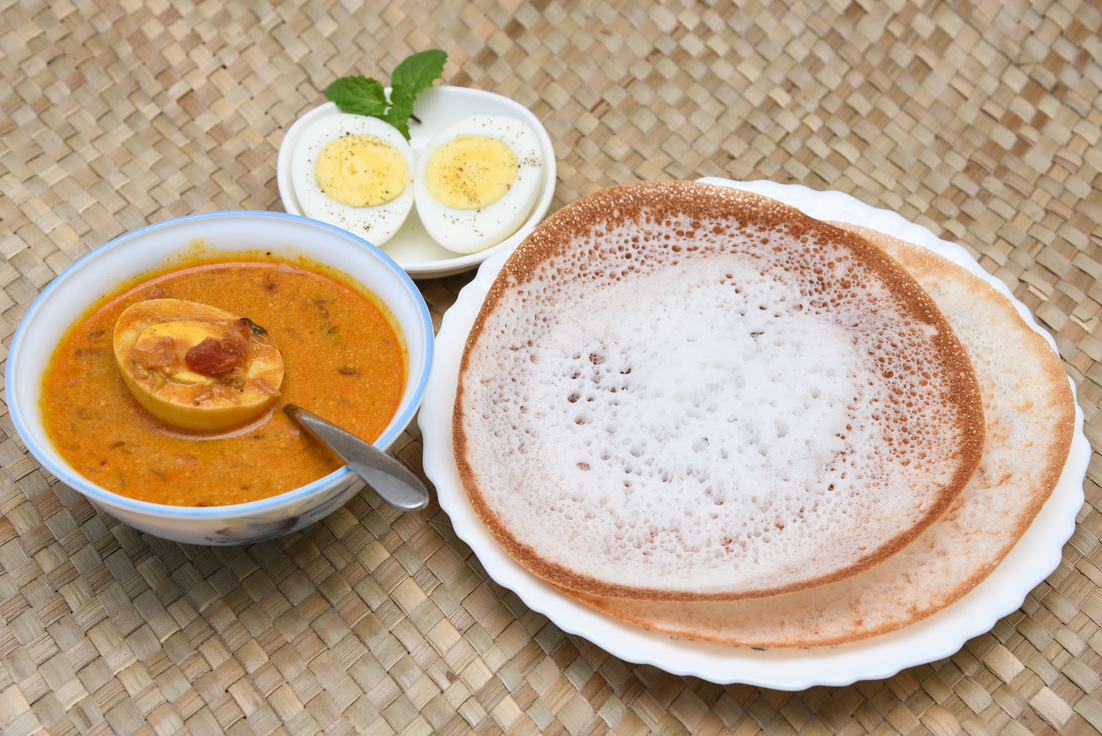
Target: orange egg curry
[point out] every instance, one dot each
(343, 360)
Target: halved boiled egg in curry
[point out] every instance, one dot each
(196, 366)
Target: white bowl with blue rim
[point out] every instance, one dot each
(156, 248)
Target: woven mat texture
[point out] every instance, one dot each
(980, 120)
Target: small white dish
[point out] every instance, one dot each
(437, 108)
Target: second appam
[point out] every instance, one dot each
(1030, 416)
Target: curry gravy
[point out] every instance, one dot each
(344, 361)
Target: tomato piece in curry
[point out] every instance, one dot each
(344, 361)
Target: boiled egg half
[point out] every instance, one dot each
(354, 172)
(477, 181)
(196, 366)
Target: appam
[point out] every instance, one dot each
(1030, 415)
(676, 391)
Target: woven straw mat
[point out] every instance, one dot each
(979, 120)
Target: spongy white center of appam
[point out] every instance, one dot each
(695, 423)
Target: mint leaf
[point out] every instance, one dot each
(401, 107)
(400, 111)
(365, 96)
(358, 94)
(417, 73)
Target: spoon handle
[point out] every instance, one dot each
(394, 483)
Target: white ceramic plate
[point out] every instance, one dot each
(437, 108)
(1033, 559)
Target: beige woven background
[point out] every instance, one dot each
(980, 120)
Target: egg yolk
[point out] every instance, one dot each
(195, 366)
(470, 172)
(361, 171)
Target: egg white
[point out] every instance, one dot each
(375, 224)
(469, 231)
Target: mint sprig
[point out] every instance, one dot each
(358, 94)
(362, 95)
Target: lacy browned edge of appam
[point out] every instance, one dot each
(1030, 415)
(676, 391)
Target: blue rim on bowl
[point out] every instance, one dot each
(23, 402)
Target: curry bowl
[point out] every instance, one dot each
(273, 238)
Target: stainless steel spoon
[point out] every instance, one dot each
(394, 483)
